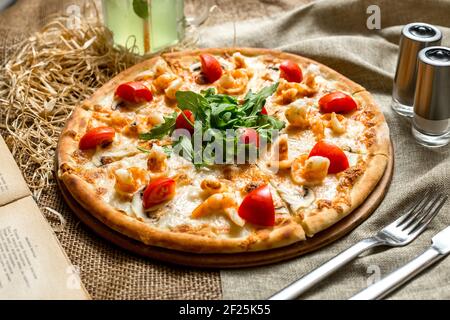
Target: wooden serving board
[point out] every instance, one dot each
(245, 259)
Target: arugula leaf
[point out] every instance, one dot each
(255, 101)
(161, 130)
(208, 92)
(143, 149)
(224, 115)
(189, 100)
(270, 122)
(267, 125)
(224, 109)
(167, 150)
(140, 7)
(213, 98)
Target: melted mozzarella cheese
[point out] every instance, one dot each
(327, 190)
(120, 148)
(139, 160)
(278, 202)
(300, 143)
(259, 69)
(352, 158)
(137, 207)
(292, 195)
(107, 101)
(106, 183)
(117, 202)
(179, 211)
(350, 139)
(177, 164)
(312, 69)
(226, 64)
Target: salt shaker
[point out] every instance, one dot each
(415, 36)
(431, 119)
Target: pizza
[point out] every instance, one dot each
(224, 150)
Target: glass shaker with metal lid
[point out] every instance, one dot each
(431, 121)
(415, 37)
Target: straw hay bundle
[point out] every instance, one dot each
(48, 75)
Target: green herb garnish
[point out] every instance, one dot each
(214, 114)
(162, 130)
(143, 149)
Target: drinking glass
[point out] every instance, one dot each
(151, 25)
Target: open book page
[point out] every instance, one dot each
(12, 184)
(33, 265)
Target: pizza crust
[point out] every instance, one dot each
(262, 239)
(76, 125)
(379, 139)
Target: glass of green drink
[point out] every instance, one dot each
(151, 25)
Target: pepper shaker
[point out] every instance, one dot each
(415, 36)
(431, 119)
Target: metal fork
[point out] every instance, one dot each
(399, 233)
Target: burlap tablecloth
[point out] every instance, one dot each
(334, 33)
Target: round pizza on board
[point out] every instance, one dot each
(224, 150)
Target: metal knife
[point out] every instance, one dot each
(438, 250)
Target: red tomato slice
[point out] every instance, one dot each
(264, 111)
(97, 136)
(182, 123)
(158, 191)
(290, 71)
(210, 67)
(134, 92)
(337, 102)
(337, 157)
(258, 208)
(249, 136)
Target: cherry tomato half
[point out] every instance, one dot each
(210, 67)
(337, 157)
(290, 71)
(338, 102)
(134, 92)
(97, 136)
(158, 191)
(249, 136)
(258, 208)
(182, 123)
(264, 111)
